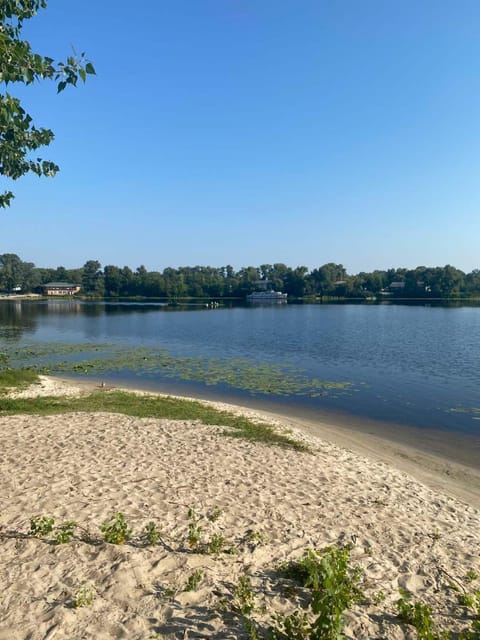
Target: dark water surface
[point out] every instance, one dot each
(417, 366)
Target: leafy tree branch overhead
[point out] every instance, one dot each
(19, 137)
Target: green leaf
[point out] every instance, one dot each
(20, 64)
(90, 69)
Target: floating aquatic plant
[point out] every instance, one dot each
(239, 373)
(469, 410)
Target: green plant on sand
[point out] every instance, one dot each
(194, 530)
(216, 544)
(84, 596)
(151, 534)
(65, 531)
(419, 615)
(243, 605)
(333, 587)
(194, 580)
(16, 379)
(115, 530)
(133, 404)
(41, 526)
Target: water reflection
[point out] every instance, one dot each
(414, 363)
(16, 319)
(22, 317)
(61, 306)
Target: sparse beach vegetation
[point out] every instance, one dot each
(84, 596)
(16, 379)
(216, 544)
(321, 586)
(418, 615)
(214, 514)
(194, 580)
(151, 534)
(65, 532)
(313, 595)
(150, 406)
(41, 526)
(115, 530)
(194, 530)
(333, 586)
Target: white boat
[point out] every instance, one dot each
(267, 296)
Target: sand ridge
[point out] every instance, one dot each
(272, 504)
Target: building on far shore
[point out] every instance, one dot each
(60, 289)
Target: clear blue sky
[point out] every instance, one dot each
(257, 131)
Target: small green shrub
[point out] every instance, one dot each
(194, 580)
(293, 627)
(243, 597)
(194, 530)
(333, 586)
(231, 551)
(419, 615)
(214, 514)
(116, 530)
(254, 538)
(84, 596)
(216, 544)
(379, 597)
(471, 601)
(41, 526)
(466, 600)
(243, 604)
(151, 534)
(65, 532)
(476, 606)
(472, 634)
(250, 628)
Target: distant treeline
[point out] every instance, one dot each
(329, 280)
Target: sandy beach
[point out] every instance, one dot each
(412, 520)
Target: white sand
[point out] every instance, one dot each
(84, 467)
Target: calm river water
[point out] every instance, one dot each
(404, 364)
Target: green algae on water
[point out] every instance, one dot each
(238, 373)
(468, 410)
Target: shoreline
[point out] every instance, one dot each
(412, 528)
(437, 469)
(453, 446)
(439, 472)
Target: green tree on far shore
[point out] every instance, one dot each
(93, 278)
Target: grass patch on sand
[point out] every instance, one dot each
(16, 379)
(142, 406)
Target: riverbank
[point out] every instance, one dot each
(442, 459)
(11, 297)
(268, 504)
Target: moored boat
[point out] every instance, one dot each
(267, 296)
